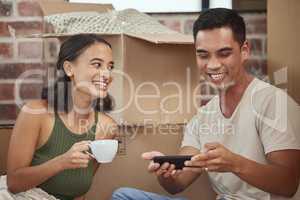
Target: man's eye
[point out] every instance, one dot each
(224, 53)
(202, 55)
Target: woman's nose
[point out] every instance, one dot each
(105, 73)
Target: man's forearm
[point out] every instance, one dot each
(178, 183)
(274, 179)
(170, 184)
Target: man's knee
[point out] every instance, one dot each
(125, 193)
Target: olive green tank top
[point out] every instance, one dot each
(69, 183)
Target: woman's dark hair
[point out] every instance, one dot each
(58, 95)
(221, 17)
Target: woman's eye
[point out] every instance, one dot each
(110, 68)
(97, 65)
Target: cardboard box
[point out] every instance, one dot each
(159, 74)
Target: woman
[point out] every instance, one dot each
(49, 150)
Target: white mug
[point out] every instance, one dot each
(105, 150)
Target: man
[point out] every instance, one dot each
(246, 137)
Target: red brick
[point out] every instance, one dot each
(8, 111)
(4, 30)
(265, 46)
(13, 71)
(256, 66)
(49, 28)
(6, 92)
(5, 8)
(256, 25)
(31, 91)
(256, 45)
(30, 50)
(172, 24)
(25, 91)
(6, 50)
(188, 26)
(51, 48)
(29, 8)
(21, 28)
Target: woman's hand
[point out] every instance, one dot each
(76, 157)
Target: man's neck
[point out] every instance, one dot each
(230, 98)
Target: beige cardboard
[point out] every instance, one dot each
(165, 65)
(165, 38)
(283, 44)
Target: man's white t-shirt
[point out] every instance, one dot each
(265, 120)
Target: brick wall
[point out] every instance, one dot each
(20, 54)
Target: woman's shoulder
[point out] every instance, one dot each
(36, 104)
(107, 127)
(38, 108)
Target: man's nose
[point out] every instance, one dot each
(214, 64)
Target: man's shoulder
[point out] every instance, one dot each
(264, 91)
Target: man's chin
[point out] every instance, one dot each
(221, 85)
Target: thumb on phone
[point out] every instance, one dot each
(151, 154)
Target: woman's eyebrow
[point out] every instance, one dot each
(96, 59)
(101, 60)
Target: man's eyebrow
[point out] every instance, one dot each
(225, 49)
(201, 51)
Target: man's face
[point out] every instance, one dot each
(220, 57)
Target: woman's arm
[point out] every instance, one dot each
(20, 175)
(25, 135)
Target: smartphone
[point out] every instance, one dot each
(177, 160)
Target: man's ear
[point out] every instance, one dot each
(68, 68)
(245, 50)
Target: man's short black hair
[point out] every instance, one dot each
(221, 17)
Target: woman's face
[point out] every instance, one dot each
(91, 71)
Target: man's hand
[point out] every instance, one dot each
(215, 158)
(166, 170)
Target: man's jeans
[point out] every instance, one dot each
(134, 194)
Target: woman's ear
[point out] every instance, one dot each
(68, 68)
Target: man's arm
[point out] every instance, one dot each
(280, 176)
